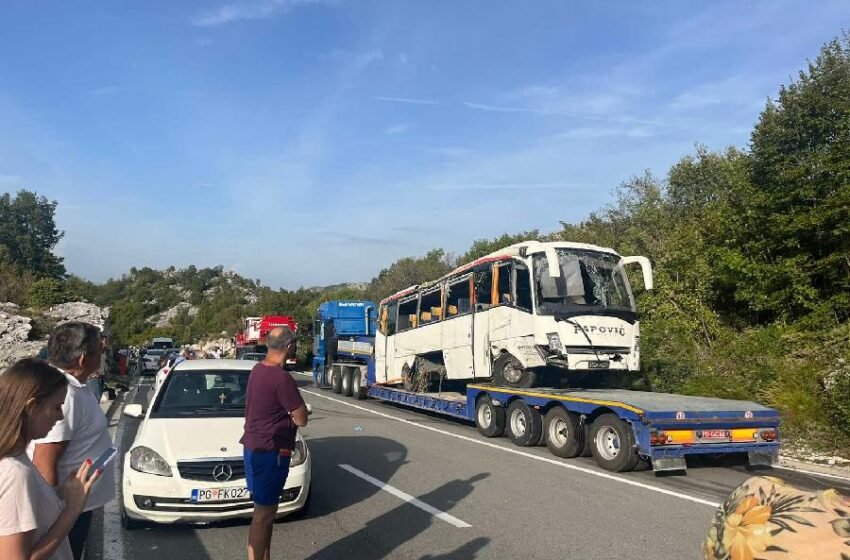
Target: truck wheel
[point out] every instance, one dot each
(524, 424)
(336, 380)
(612, 444)
(564, 437)
(346, 381)
(508, 372)
(489, 418)
(356, 384)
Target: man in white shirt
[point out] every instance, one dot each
(83, 433)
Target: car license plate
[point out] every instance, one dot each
(715, 434)
(200, 495)
(602, 364)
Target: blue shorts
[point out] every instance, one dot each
(266, 472)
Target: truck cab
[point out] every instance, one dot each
(343, 331)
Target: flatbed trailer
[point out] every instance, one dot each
(619, 428)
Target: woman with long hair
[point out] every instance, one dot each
(34, 520)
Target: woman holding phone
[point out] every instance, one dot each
(34, 521)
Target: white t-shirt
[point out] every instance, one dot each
(86, 429)
(28, 503)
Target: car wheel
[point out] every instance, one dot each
(129, 523)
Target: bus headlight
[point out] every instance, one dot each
(555, 342)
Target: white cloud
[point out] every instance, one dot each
(410, 100)
(449, 151)
(517, 186)
(261, 9)
(396, 129)
(605, 132)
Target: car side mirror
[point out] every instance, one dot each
(309, 408)
(134, 411)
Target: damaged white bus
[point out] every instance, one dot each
(515, 317)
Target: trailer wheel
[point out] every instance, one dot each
(346, 381)
(489, 418)
(525, 425)
(336, 380)
(612, 444)
(564, 436)
(508, 372)
(357, 384)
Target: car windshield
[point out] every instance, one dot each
(590, 282)
(202, 393)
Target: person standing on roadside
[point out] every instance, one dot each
(274, 410)
(34, 521)
(83, 432)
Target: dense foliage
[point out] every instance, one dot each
(751, 250)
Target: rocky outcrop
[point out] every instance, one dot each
(224, 345)
(80, 311)
(164, 319)
(16, 330)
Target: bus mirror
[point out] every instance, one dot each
(646, 268)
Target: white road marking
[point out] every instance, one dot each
(555, 462)
(113, 537)
(452, 520)
(813, 473)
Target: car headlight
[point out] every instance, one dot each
(146, 460)
(299, 454)
(554, 342)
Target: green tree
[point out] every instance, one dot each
(798, 246)
(29, 233)
(46, 292)
(408, 272)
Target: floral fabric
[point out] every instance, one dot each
(766, 519)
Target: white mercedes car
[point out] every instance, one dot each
(185, 464)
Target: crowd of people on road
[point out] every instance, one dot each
(52, 430)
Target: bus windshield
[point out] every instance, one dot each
(590, 282)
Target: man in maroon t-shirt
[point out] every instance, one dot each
(274, 410)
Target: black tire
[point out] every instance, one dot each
(489, 418)
(563, 434)
(356, 384)
(336, 380)
(346, 381)
(613, 444)
(508, 372)
(408, 382)
(524, 424)
(128, 523)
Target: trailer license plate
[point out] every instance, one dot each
(200, 495)
(602, 364)
(715, 434)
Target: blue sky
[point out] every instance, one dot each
(310, 142)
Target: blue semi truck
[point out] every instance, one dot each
(619, 428)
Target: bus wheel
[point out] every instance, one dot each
(489, 418)
(508, 372)
(408, 379)
(524, 424)
(612, 444)
(346, 381)
(564, 438)
(356, 384)
(336, 380)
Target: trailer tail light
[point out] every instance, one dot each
(767, 434)
(658, 437)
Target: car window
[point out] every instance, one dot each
(198, 393)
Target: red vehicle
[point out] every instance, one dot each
(252, 337)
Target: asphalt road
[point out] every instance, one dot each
(452, 494)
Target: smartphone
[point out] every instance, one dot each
(105, 458)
